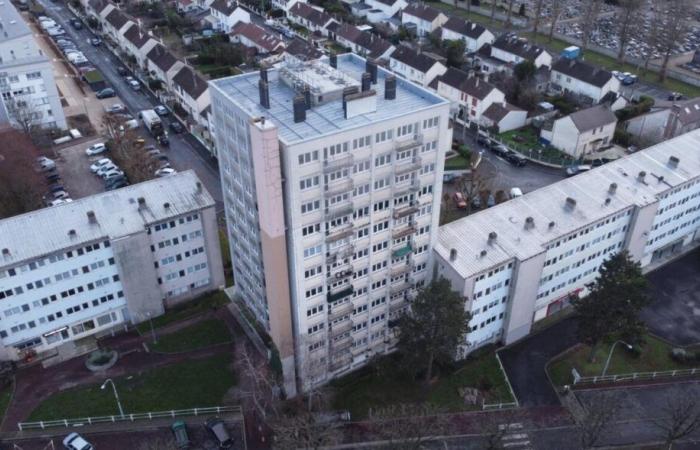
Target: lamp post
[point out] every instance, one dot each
(612, 349)
(116, 395)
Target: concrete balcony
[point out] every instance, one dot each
(340, 252)
(341, 344)
(401, 269)
(404, 231)
(401, 250)
(401, 287)
(339, 162)
(339, 187)
(410, 165)
(344, 231)
(415, 141)
(339, 209)
(406, 187)
(405, 210)
(342, 362)
(339, 293)
(341, 310)
(341, 327)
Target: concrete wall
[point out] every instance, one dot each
(524, 288)
(649, 127)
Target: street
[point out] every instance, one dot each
(185, 152)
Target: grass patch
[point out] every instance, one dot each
(526, 141)
(5, 397)
(458, 162)
(384, 384)
(557, 45)
(655, 356)
(191, 384)
(191, 308)
(203, 334)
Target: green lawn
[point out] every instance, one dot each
(526, 141)
(457, 163)
(5, 397)
(202, 334)
(610, 63)
(369, 388)
(191, 384)
(189, 309)
(655, 356)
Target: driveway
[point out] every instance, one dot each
(525, 361)
(674, 313)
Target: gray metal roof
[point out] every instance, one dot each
(46, 230)
(12, 25)
(590, 190)
(328, 117)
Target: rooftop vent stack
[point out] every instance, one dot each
(347, 91)
(307, 97)
(142, 202)
(483, 253)
(299, 105)
(166, 205)
(371, 68)
(366, 81)
(390, 87)
(613, 188)
(673, 161)
(492, 237)
(5, 252)
(570, 203)
(607, 201)
(91, 217)
(264, 94)
(453, 254)
(551, 224)
(529, 223)
(263, 74)
(72, 233)
(334, 60)
(641, 176)
(199, 187)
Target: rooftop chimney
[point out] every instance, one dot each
(5, 252)
(91, 217)
(492, 237)
(72, 233)
(142, 202)
(483, 253)
(551, 224)
(307, 97)
(673, 162)
(529, 223)
(299, 105)
(570, 203)
(453, 254)
(166, 205)
(613, 188)
(199, 187)
(334, 61)
(640, 177)
(371, 68)
(263, 74)
(390, 87)
(264, 94)
(366, 81)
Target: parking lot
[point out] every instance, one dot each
(74, 168)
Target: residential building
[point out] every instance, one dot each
(313, 18)
(255, 37)
(226, 14)
(285, 5)
(138, 43)
(332, 180)
(388, 8)
(581, 78)
(422, 18)
(470, 95)
(582, 132)
(163, 65)
(363, 43)
(302, 50)
(185, 6)
(417, 67)
(104, 262)
(665, 121)
(520, 261)
(192, 93)
(29, 92)
(508, 51)
(503, 117)
(115, 24)
(474, 35)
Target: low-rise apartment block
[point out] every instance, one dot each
(520, 261)
(103, 262)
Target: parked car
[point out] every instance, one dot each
(516, 159)
(217, 428)
(515, 192)
(163, 140)
(52, 177)
(76, 442)
(99, 164)
(122, 71)
(459, 200)
(179, 429)
(116, 108)
(112, 173)
(106, 168)
(491, 201)
(629, 80)
(165, 171)
(161, 110)
(96, 41)
(96, 149)
(57, 202)
(115, 180)
(449, 177)
(117, 185)
(176, 127)
(106, 93)
(56, 188)
(575, 170)
(135, 85)
(500, 150)
(476, 202)
(483, 140)
(76, 23)
(45, 164)
(675, 96)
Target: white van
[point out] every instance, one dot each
(515, 192)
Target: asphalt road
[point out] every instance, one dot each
(185, 152)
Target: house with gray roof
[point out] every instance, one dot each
(415, 66)
(583, 132)
(470, 95)
(503, 117)
(472, 34)
(582, 78)
(138, 42)
(422, 18)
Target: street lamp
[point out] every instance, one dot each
(607, 363)
(116, 395)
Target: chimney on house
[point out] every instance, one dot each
(570, 203)
(299, 106)
(492, 237)
(264, 93)
(141, 202)
(673, 161)
(307, 97)
(91, 217)
(366, 81)
(371, 68)
(641, 176)
(390, 87)
(453, 254)
(529, 223)
(612, 189)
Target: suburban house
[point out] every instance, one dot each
(115, 24)
(474, 35)
(138, 43)
(376, 11)
(302, 50)
(163, 65)
(470, 95)
(389, 8)
(225, 14)
(503, 117)
(185, 6)
(99, 8)
(581, 78)
(312, 18)
(582, 132)
(253, 36)
(285, 5)
(361, 42)
(422, 18)
(666, 122)
(192, 92)
(417, 67)
(508, 51)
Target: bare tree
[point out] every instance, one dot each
(588, 21)
(510, 12)
(627, 24)
(493, 9)
(537, 18)
(306, 429)
(264, 389)
(675, 27)
(679, 418)
(127, 150)
(21, 185)
(408, 426)
(556, 9)
(594, 419)
(652, 38)
(24, 113)
(471, 185)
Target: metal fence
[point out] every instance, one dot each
(82, 421)
(636, 376)
(494, 406)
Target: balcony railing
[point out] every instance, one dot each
(405, 210)
(339, 187)
(401, 269)
(400, 287)
(408, 166)
(340, 209)
(337, 295)
(415, 141)
(341, 327)
(342, 362)
(341, 344)
(404, 188)
(341, 252)
(401, 250)
(339, 162)
(401, 232)
(341, 310)
(341, 232)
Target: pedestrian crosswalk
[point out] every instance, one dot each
(513, 436)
